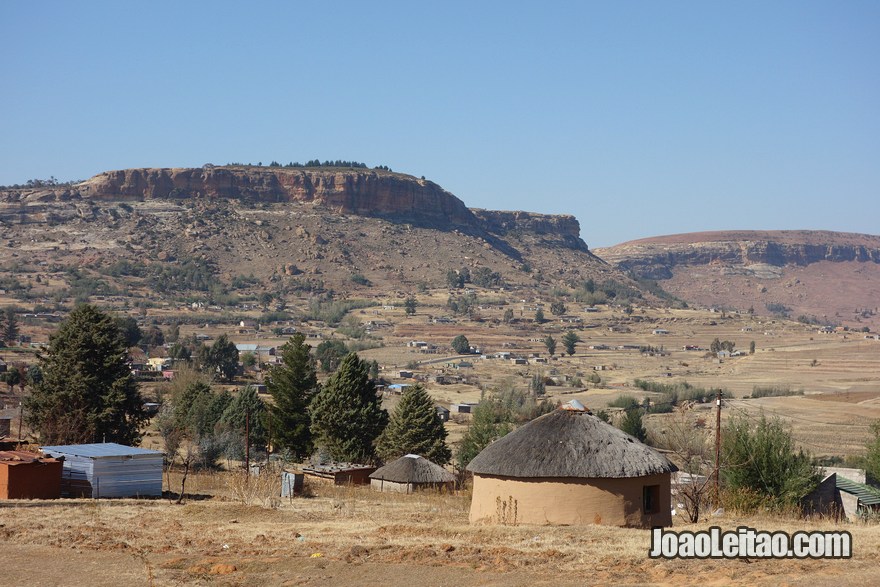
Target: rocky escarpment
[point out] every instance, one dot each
(656, 258)
(563, 229)
(364, 192)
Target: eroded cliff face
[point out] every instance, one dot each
(363, 192)
(656, 258)
(562, 228)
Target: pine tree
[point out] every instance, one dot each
(245, 414)
(292, 384)
(347, 416)
(10, 329)
(550, 343)
(569, 341)
(632, 424)
(415, 428)
(87, 393)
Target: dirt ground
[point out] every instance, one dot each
(354, 536)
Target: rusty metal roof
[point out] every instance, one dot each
(20, 457)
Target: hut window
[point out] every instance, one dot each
(651, 499)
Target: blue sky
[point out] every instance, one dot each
(640, 118)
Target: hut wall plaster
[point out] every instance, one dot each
(569, 501)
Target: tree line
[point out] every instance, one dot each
(88, 393)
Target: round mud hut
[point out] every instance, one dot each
(411, 473)
(569, 467)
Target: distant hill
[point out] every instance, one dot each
(302, 231)
(820, 276)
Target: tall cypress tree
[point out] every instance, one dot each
(347, 416)
(87, 393)
(292, 385)
(415, 428)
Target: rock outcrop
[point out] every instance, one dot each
(655, 258)
(364, 192)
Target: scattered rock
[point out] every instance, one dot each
(222, 569)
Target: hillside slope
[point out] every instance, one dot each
(823, 276)
(294, 230)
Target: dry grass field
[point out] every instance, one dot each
(355, 536)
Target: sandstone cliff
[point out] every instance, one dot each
(364, 192)
(655, 258)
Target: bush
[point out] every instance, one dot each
(760, 456)
(774, 391)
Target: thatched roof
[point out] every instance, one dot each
(413, 469)
(569, 443)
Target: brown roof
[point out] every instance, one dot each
(569, 443)
(413, 469)
(20, 457)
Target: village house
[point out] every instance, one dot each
(411, 473)
(594, 474)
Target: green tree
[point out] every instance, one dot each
(415, 428)
(173, 333)
(558, 308)
(12, 377)
(248, 360)
(508, 316)
(539, 316)
(374, 370)
(221, 357)
(632, 424)
(550, 343)
(347, 415)
(409, 306)
(461, 344)
(537, 386)
(495, 416)
(245, 416)
(569, 341)
(454, 280)
(329, 353)
(752, 348)
(87, 393)
(292, 385)
(760, 456)
(130, 330)
(10, 328)
(152, 337)
(489, 422)
(872, 458)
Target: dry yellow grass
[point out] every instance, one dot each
(361, 534)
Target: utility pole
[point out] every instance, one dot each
(247, 442)
(718, 448)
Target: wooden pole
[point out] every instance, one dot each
(718, 449)
(247, 441)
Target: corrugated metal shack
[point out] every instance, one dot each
(108, 470)
(25, 475)
(341, 473)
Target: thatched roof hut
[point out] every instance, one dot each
(410, 473)
(570, 467)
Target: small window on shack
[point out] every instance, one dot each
(651, 499)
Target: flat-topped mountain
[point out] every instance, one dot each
(365, 192)
(319, 228)
(832, 277)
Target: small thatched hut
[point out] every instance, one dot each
(570, 467)
(410, 473)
